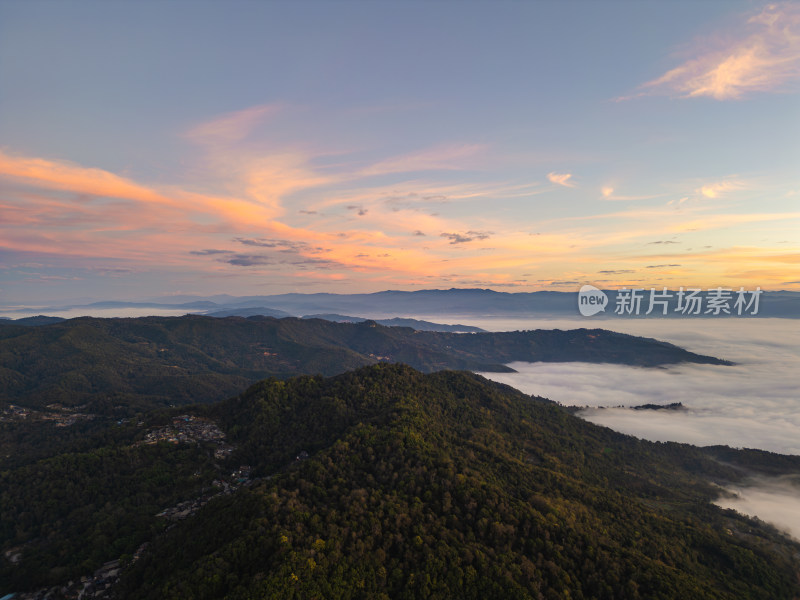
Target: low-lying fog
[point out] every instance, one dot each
(774, 500)
(755, 403)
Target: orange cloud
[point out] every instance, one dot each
(59, 207)
(764, 57)
(63, 208)
(69, 177)
(103, 214)
(265, 184)
(561, 179)
(270, 179)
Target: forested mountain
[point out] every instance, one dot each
(449, 486)
(114, 366)
(388, 483)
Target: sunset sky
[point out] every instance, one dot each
(157, 148)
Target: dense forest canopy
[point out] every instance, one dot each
(385, 482)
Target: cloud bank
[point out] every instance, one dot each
(774, 500)
(752, 404)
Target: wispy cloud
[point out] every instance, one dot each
(270, 179)
(678, 202)
(287, 209)
(231, 127)
(762, 56)
(608, 193)
(63, 175)
(561, 179)
(420, 195)
(97, 186)
(717, 221)
(719, 188)
(449, 157)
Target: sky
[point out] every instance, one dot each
(164, 148)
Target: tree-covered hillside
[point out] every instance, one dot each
(115, 366)
(449, 486)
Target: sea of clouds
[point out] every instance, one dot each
(753, 404)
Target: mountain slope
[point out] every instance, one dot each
(449, 486)
(151, 361)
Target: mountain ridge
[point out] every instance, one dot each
(150, 361)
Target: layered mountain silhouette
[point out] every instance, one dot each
(452, 302)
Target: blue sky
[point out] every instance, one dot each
(264, 147)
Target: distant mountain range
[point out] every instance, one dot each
(400, 322)
(279, 314)
(151, 361)
(453, 302)
(394, 322)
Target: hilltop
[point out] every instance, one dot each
(446, 485)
